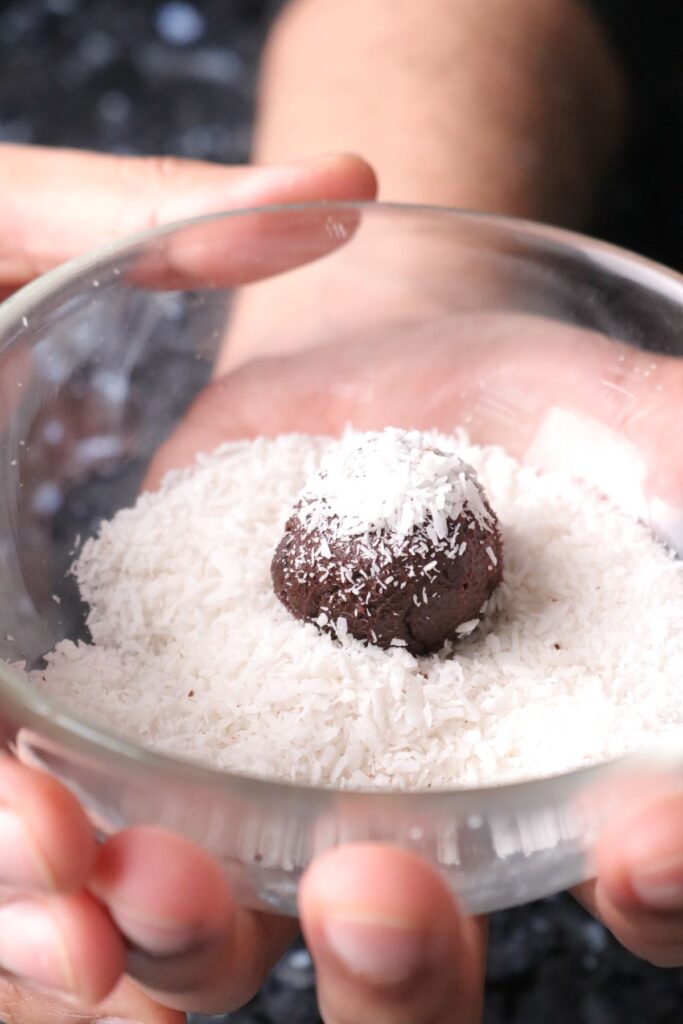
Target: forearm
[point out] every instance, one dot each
(510, 106)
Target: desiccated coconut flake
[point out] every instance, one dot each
(465, 628)
(275, 698)
(386, 481)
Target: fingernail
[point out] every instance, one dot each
(660, 886)
(32, 947)
(21, 860)
(384, 952)
(116, 1020)
(159, 937)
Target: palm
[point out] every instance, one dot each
(504, 378)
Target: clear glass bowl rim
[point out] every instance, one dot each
(81, 737)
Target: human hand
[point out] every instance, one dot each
(388, 941)
(72, 912)
(602, 387)
(514, 373)
(370, 387)
(59, 203)
(638, 889)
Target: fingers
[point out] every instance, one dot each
(127, 1005)
(56, 204)
(157, 908)
(389, 944)
(52, 934)
(231, 251)
(62, 944)
(188, 943)
(46, 841)
(639, 889)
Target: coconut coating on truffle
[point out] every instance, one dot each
(415, 595)
(391, 542)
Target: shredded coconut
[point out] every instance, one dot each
(577, 660)
(392, 481)
(384, 495)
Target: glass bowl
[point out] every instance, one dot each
(100, 359)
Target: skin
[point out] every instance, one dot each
(508, 106)
(194, 948)
(467, 102)
(121, 937)
(385, 900)
(72, 908)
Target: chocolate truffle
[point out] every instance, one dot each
(393, 542)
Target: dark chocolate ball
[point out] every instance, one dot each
(414, 588)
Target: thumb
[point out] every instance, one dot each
(388, 942)
(58, 203)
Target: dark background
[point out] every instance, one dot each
(178, 77)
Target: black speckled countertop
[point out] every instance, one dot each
(177, 77)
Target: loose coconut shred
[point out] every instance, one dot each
(577, 660)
